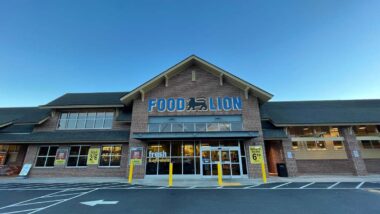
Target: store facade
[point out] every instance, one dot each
(193, 115)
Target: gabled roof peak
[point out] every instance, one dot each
(190, 61)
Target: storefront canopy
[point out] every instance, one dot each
(194, 135)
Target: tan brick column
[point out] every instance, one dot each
(290, 159)
(138, 124)
(254, 170)
(352, 148)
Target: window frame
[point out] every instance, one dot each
(77, 156)
(298, 145)
(86, 119)
(46, 156)
(338, 149)
(110, 155)
(370, 143)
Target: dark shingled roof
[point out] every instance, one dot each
(67, 137)
(88, 99)
(124, 116)
(17, 129)
(23, 115)
(322, 112)
(272, 132)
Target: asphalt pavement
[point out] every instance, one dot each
(280, 197)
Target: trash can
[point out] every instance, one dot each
(281, 170)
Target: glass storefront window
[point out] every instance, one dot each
(338, 145)
(211, 127)
(189, 127)
(78, 156)
(177, 127)
(185, 156)
(371, 144)
(236, 126)
(200, 127)
(165, 127)
(154, 127)
(376, 144)
(46, 156)
(316, 145)
(224, 127)
(295, 146)
(366, 130)
(151, 166)
(366, 144)
(188, 165)
(176, 148)
(163, 166)
(110, 156)
(188, 149)
(177, 165)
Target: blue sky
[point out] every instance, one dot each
(297, 50)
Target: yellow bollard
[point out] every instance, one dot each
(130, 173)
(220, 174)
(170, 174)
(263, 172)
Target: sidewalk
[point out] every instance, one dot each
(200, 182)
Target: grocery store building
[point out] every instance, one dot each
(193, 115)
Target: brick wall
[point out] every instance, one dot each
(63, 171)
(324, 167)
(372, 165)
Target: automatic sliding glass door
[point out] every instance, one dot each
(228, 156)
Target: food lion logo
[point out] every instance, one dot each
(195, 104)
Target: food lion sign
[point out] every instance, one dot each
(180, 104)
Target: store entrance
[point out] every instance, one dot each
(228, 156)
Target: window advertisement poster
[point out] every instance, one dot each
(3, 157)
(136, 155)
(60, 157)
(256, 154)
(93, 156)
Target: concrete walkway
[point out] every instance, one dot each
(188, 182)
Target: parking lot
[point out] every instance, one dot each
(279, 197)
(117, 185)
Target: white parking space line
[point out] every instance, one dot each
(330, 187)
(281, 185)
(307, 185)
(360, 185)
(43, 208)
(249, 187)
(19, 211)
(27, 200)
(22, 206)
(60, 195)
(40, 202)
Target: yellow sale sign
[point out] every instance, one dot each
(256, 154)
(93, 156)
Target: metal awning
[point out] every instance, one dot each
(194, 135)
